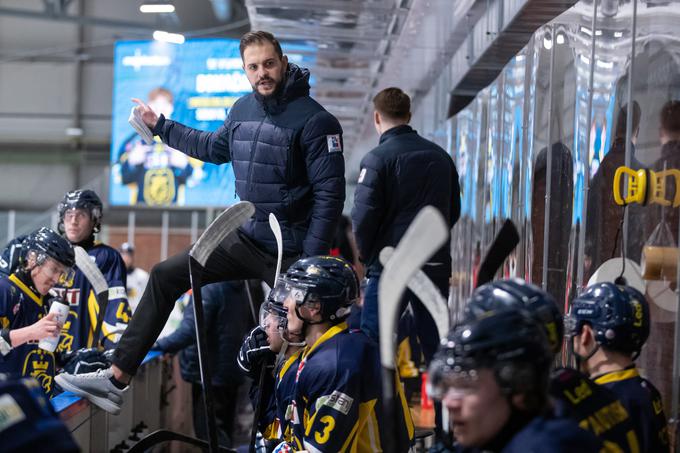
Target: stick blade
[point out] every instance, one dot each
(426, 234)
(228, 221)
(505, 242)
(276, 229)
(90, 270)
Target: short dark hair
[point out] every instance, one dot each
(670, 117)
(622, 120)
(259, 37)
(393, 103)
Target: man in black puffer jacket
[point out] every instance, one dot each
(224, 303)
(286, 152)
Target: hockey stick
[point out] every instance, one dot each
(426, 234)
(226, 223)
(427, 293)
(100, 286)
(276, 229)
(505, 242)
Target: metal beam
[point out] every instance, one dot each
(82, 20)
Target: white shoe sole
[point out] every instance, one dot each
(103, 403)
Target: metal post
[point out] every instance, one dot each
(548, 167)
(629, 119)
(131, 228)
(11, 224)
(584, 159)
(164, 235)
(194, 226)
(524, 158)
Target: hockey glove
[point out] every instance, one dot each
(86, 361)
(254, 351)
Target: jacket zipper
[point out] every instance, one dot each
(252, 155)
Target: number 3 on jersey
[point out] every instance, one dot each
(322, 436)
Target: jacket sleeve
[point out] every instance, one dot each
(369, 205)
(117, 315)
(207, 146)
(322, 145)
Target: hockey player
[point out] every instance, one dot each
(24, 309)
(80, 214)
(492, 376)
(574, 395)
(337, 399)
(607, 327)
(269, 338)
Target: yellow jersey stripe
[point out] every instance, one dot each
(617, 376)
(26, 290)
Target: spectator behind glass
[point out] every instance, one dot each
(136, 277)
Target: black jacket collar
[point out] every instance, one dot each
(397, 130)
(295, 85)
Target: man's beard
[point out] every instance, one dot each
(276, 86)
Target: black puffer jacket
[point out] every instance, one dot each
(398, 178)
(226, 316)
(287, 156)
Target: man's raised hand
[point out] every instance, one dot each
(148, 116)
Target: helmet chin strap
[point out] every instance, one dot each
(286, 343)
(581, 359)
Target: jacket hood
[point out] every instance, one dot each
(295, 85)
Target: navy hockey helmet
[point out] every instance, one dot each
(47, 243)
(618, 315)
(327, 280)
(517, 294)
(81, 199)
(509, 342)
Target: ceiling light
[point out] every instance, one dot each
(164, 36)
(157, 8)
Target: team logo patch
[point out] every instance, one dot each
(333, 142)
(362, 175)
(338, 401)
(10, 412)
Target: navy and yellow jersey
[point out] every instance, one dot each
(22, 306)
(285, 391)
(553, 435)
(277, 395)
(409, 351)
(27, 420)
(594, 408)
(78, 329)
(160, 179)
(337, 399)
(643, 402)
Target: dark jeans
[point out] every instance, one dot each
(237, 258)
(224, 398)
(425, 325)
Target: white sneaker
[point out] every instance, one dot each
(96, 387)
